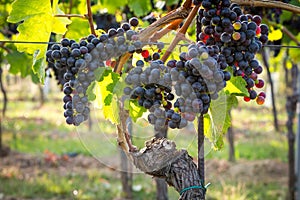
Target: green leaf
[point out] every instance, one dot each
(77, 29)
(37, 22)
(172, 2)
(59, 23)
(39, 66)
(19, 63)
(119, 87)
(135, 110)
(111, 111)
(217, 121)
(35, 79)
(90, 92)
(236, 86)
(99, 72)
(295, 2)
(26, 9)
(82, 8)
(105, 97)
(139, 7)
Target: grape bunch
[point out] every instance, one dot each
(74, 60)
(75, 64)
(274, 15)
(195, 79)
(239, 37)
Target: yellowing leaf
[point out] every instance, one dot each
(135, 111)
(105, 99)
(78, 28)
(82, 7)
(59, 23)
(217, 121)
(38, 23)
(25, 9)
(275, 34)
(111, 112)
(236, 86)
(41, 34)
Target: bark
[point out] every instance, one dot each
(230, 136)
(161, 189)
(266, 63)
(291, 106)
(126, 169)
(42, 96)
(1, 135)
(3, 92)
(161, 185)
(201, 138)
(286, 71)
(3, 109)
(126, 177)
(161, 159)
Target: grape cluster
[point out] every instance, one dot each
(274, 15)
(151, 91)
(238, 36)
(196, 78)
(76, 62)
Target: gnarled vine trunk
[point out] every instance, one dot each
(161, 186)
(161, 159)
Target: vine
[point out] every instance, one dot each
(217, 67)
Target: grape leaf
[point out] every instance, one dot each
(236, 86)
(38, 17)
(217, 121)
(99, 72)
(111, 112)
(295, 2)
(119, 87)
(19, 63)
(275, 34)
(77, 29)
(105, 98)
(81, 7)
(90, 92)
(135, 110)
(39, 66)
(139, 7)
(172, 2)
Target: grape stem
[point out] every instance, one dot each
(181, 33)
(290, 34)
(90, 17)
(268, 4)
(71, 15)
(180, 13)
(124, 140)
(187, 4)
(70, 6)
(4, 47)
(159, 34)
